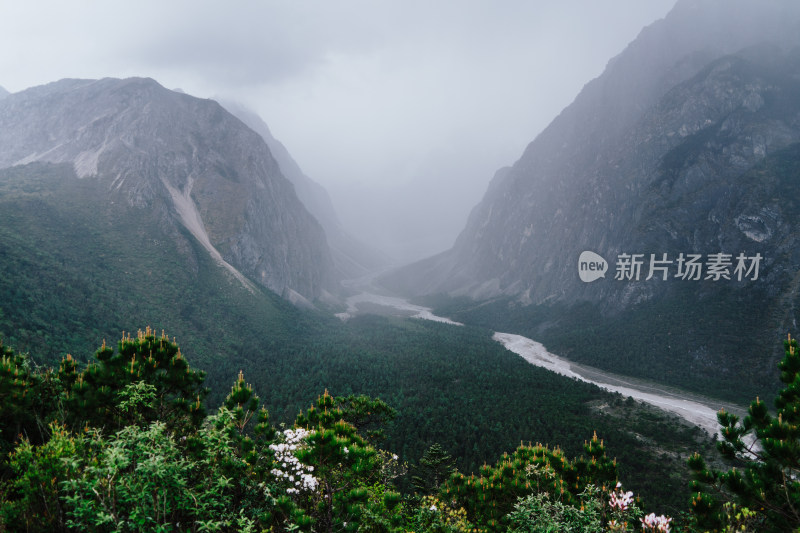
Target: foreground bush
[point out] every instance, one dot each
(126, 444)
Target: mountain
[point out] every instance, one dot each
(114, 195)
(688, 143)
(351, 258)
(181, 159)
(3, 93)
(123, 205)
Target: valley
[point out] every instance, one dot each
(439, 394)
(698, 410)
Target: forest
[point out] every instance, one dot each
(448, 394)
(128, 441)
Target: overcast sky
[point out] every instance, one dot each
(403, 110)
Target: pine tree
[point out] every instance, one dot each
(491, 496)
(434, 468)
(93, 397)
(26, 404)
(347, 467)
(368, 415)
(764, 453)
(16, 383)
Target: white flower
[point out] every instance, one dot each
(659, 524)
(293, 471)
(346, 451)
(433, 507)
(620, 500)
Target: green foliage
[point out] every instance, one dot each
(32, 500)
(152, 479)
(17, 398)
(77, 268)
(101, 396)
(458, 387)
(491, 496)
(435, 515)
(740, 519)
(434, 468)
(369, 416)
(234, 472)
(148, 479)
(29, 401)
(764, 451)
(141, 455)
(539, 513)
(136, 399)
(343, 462)
(384, 510)
(140, 481)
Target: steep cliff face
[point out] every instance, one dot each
(685, 147)
(178, 158)
(581, 184)
(680, 180)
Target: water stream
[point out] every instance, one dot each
(694, 408)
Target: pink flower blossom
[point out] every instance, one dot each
(659, 524)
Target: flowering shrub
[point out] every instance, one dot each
(545, 513)
(620, 500)
(656, 524)
(233, 471)
(623, 510)
(288, 467)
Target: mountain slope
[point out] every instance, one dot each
(686, 144)
(76, 269)
(182, 159)
(351, 257)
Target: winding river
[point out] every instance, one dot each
(696, 409)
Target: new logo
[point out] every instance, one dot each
(591, 266)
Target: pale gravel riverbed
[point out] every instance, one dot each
(698, 410)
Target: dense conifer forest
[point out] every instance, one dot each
(130, 442)
(442, 391)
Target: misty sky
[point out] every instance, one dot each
(403, 110)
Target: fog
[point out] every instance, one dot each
(402, 110)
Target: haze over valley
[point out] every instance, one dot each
(517, 223)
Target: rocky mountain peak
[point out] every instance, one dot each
(152, 148)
